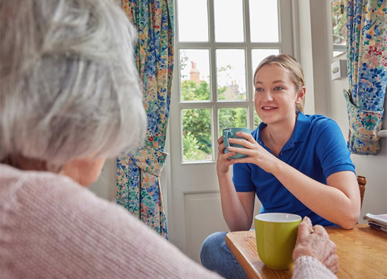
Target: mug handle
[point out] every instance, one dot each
(225, 139)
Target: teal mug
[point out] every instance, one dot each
(231, 133)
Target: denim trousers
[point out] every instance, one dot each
(216, 256)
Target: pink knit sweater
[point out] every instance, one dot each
(50, 227)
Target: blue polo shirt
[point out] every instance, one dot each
(316, 148)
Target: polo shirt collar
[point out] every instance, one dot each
(301, 128)
(299, 132)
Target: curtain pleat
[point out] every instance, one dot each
(138, 183)
(366, 22)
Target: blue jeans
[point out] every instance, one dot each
(216, 256)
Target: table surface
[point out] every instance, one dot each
(362, 253)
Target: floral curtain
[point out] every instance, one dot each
(367, 71)
(138, 184)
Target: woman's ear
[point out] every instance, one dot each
(85, 171)
(301, 95)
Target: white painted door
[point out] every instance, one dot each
(219, 43)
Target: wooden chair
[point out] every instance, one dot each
(362, 183)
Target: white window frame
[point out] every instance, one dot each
(285, 45)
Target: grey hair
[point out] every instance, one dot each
(68, 83)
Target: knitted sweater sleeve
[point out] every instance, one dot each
(307, 267)
(50, 227)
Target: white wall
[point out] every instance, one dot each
(303, 49)
(105, 186)
(329, 98)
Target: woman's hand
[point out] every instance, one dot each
(256, 153)
(223, 162)
(315, 242)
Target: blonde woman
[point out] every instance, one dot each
(296, 163)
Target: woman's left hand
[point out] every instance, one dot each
(257, 154)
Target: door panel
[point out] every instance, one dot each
(202, 212)
(213, 89)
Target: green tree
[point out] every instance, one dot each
(240, 118)
(232, 117)
(338, 22)
(191, 149)
(190, 91)
(197, 143)
(221, 91)
(197, 122)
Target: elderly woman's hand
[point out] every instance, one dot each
(315, 242)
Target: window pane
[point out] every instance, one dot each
(194, 75)
(197, 138)
(263, 21)
(232, 117)
(257, 55)
(231, 75)
(257, 120)
(192, 20)
(228, 21)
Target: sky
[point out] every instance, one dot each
(193, 26)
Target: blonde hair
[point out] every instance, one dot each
(290, 63)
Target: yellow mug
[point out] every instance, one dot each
(276, 235)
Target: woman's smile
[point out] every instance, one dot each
(269, 108)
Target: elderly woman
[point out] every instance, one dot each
(69, 98)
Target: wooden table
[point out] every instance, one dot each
(362, 253)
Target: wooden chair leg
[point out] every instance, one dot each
(362, 182)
